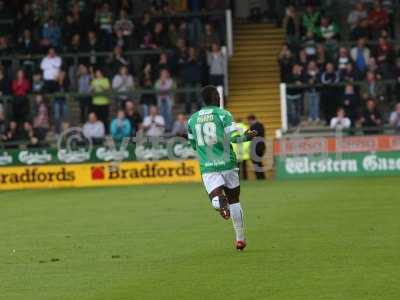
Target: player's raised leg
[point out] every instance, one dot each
(214, 184)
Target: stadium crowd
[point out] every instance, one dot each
(345, 71)
(90, 48)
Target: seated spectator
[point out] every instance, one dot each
(12, 133)
(28, 135)
(94, 129)
(357, 15)
(51, 66)
(123, 83)
(372, 88)
(41, 119)
(310, 19)
(133, 116)
(164, 87)
(312, 77)
(350, 102)
(120, 127)
(154, 124)
(101, 102)
(371, 121)
(360, 55)
(340, 122)
(394, 119)
(216, 62)
(84, 87)
(20, 87)
(378, 18)
(180, 126)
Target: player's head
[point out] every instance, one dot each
(210, 95)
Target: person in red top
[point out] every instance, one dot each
(20, 87)
(378, 19)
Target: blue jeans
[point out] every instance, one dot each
(293, 109)
(313, 105)
(60, 111)
(165, 107)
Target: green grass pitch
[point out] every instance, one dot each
(318, 239)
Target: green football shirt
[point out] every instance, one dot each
(210, 133)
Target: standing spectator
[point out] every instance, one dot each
(329, 92)
(310, 45)
(180, 126)
(12, 133)
(257, 147)
(310, 19)
(104, 20)
(20, 88)
(123, 24)
(312, 78)
(164, 87)
(209, 37)
(120, 127)
(327, 30)
(396, 76)
(51, 34)
(356, 15)
(372, 88)
(41, 122)
(361, 31)
(294, 95)
(350, 102)
(51, 66)
(37, 83)
(60, 108)
(385, 56)
(192, 80)
(378, 19)
(371, 119)
(394, 119)
(360, 55)
(117, 60)
(84, 87)
(217, 63)
(101, 102)
(92, 46)
(27, 47)
(291, 24)
(147, 99)
(27, 135)
(154, 124)
(133, 116)
(94, 129)
(349, 74)
(123, 83)
(344, 59)
(285, 60)
(340, 122)
(159, 37)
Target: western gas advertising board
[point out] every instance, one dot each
(98, 174)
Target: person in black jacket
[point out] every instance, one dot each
(192, 70)
(329, 95)
(371, 120)
(257, 147)
(294, 95)
(350, 102)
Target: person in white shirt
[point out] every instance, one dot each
(51, 66)
(154, 124)
(123, 82)
(93, 128)
(394, 119)
(340, 121)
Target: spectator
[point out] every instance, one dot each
(291, 24)
(312, 78)
(41, 123)
(51, 34)
(60, 108)
(159, 37)
(209, 37)
(94, 129)
(123, 24)
(372, 88)
(328, 30)
(357, 15)
(164, 87)
(117, 60)
(361, 31)
(310, 19)
(295, 95)
(340, 122)
(84, 87)
(37, 83)
(180, 126)
(104, 20)
(349, 74)
(51, 66)
(154, 124)
(191, 79)
(371, 120)
(286, 60)
(20, 88)
(360, 55)
(133, 116)
(378, 18)
(123, 83)
(173, 35)
(4, 83)
(93, 46)
(385, 56)
(310, 45)
(394, 119)
(217, 64)
(343, 59)
(28, 135)
(27, 47)
(70, 28)
(329, 92)
(350, 102)
(120, 127)
(12, 133)
(101, 102)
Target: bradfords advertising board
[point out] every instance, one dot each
(334, 157)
